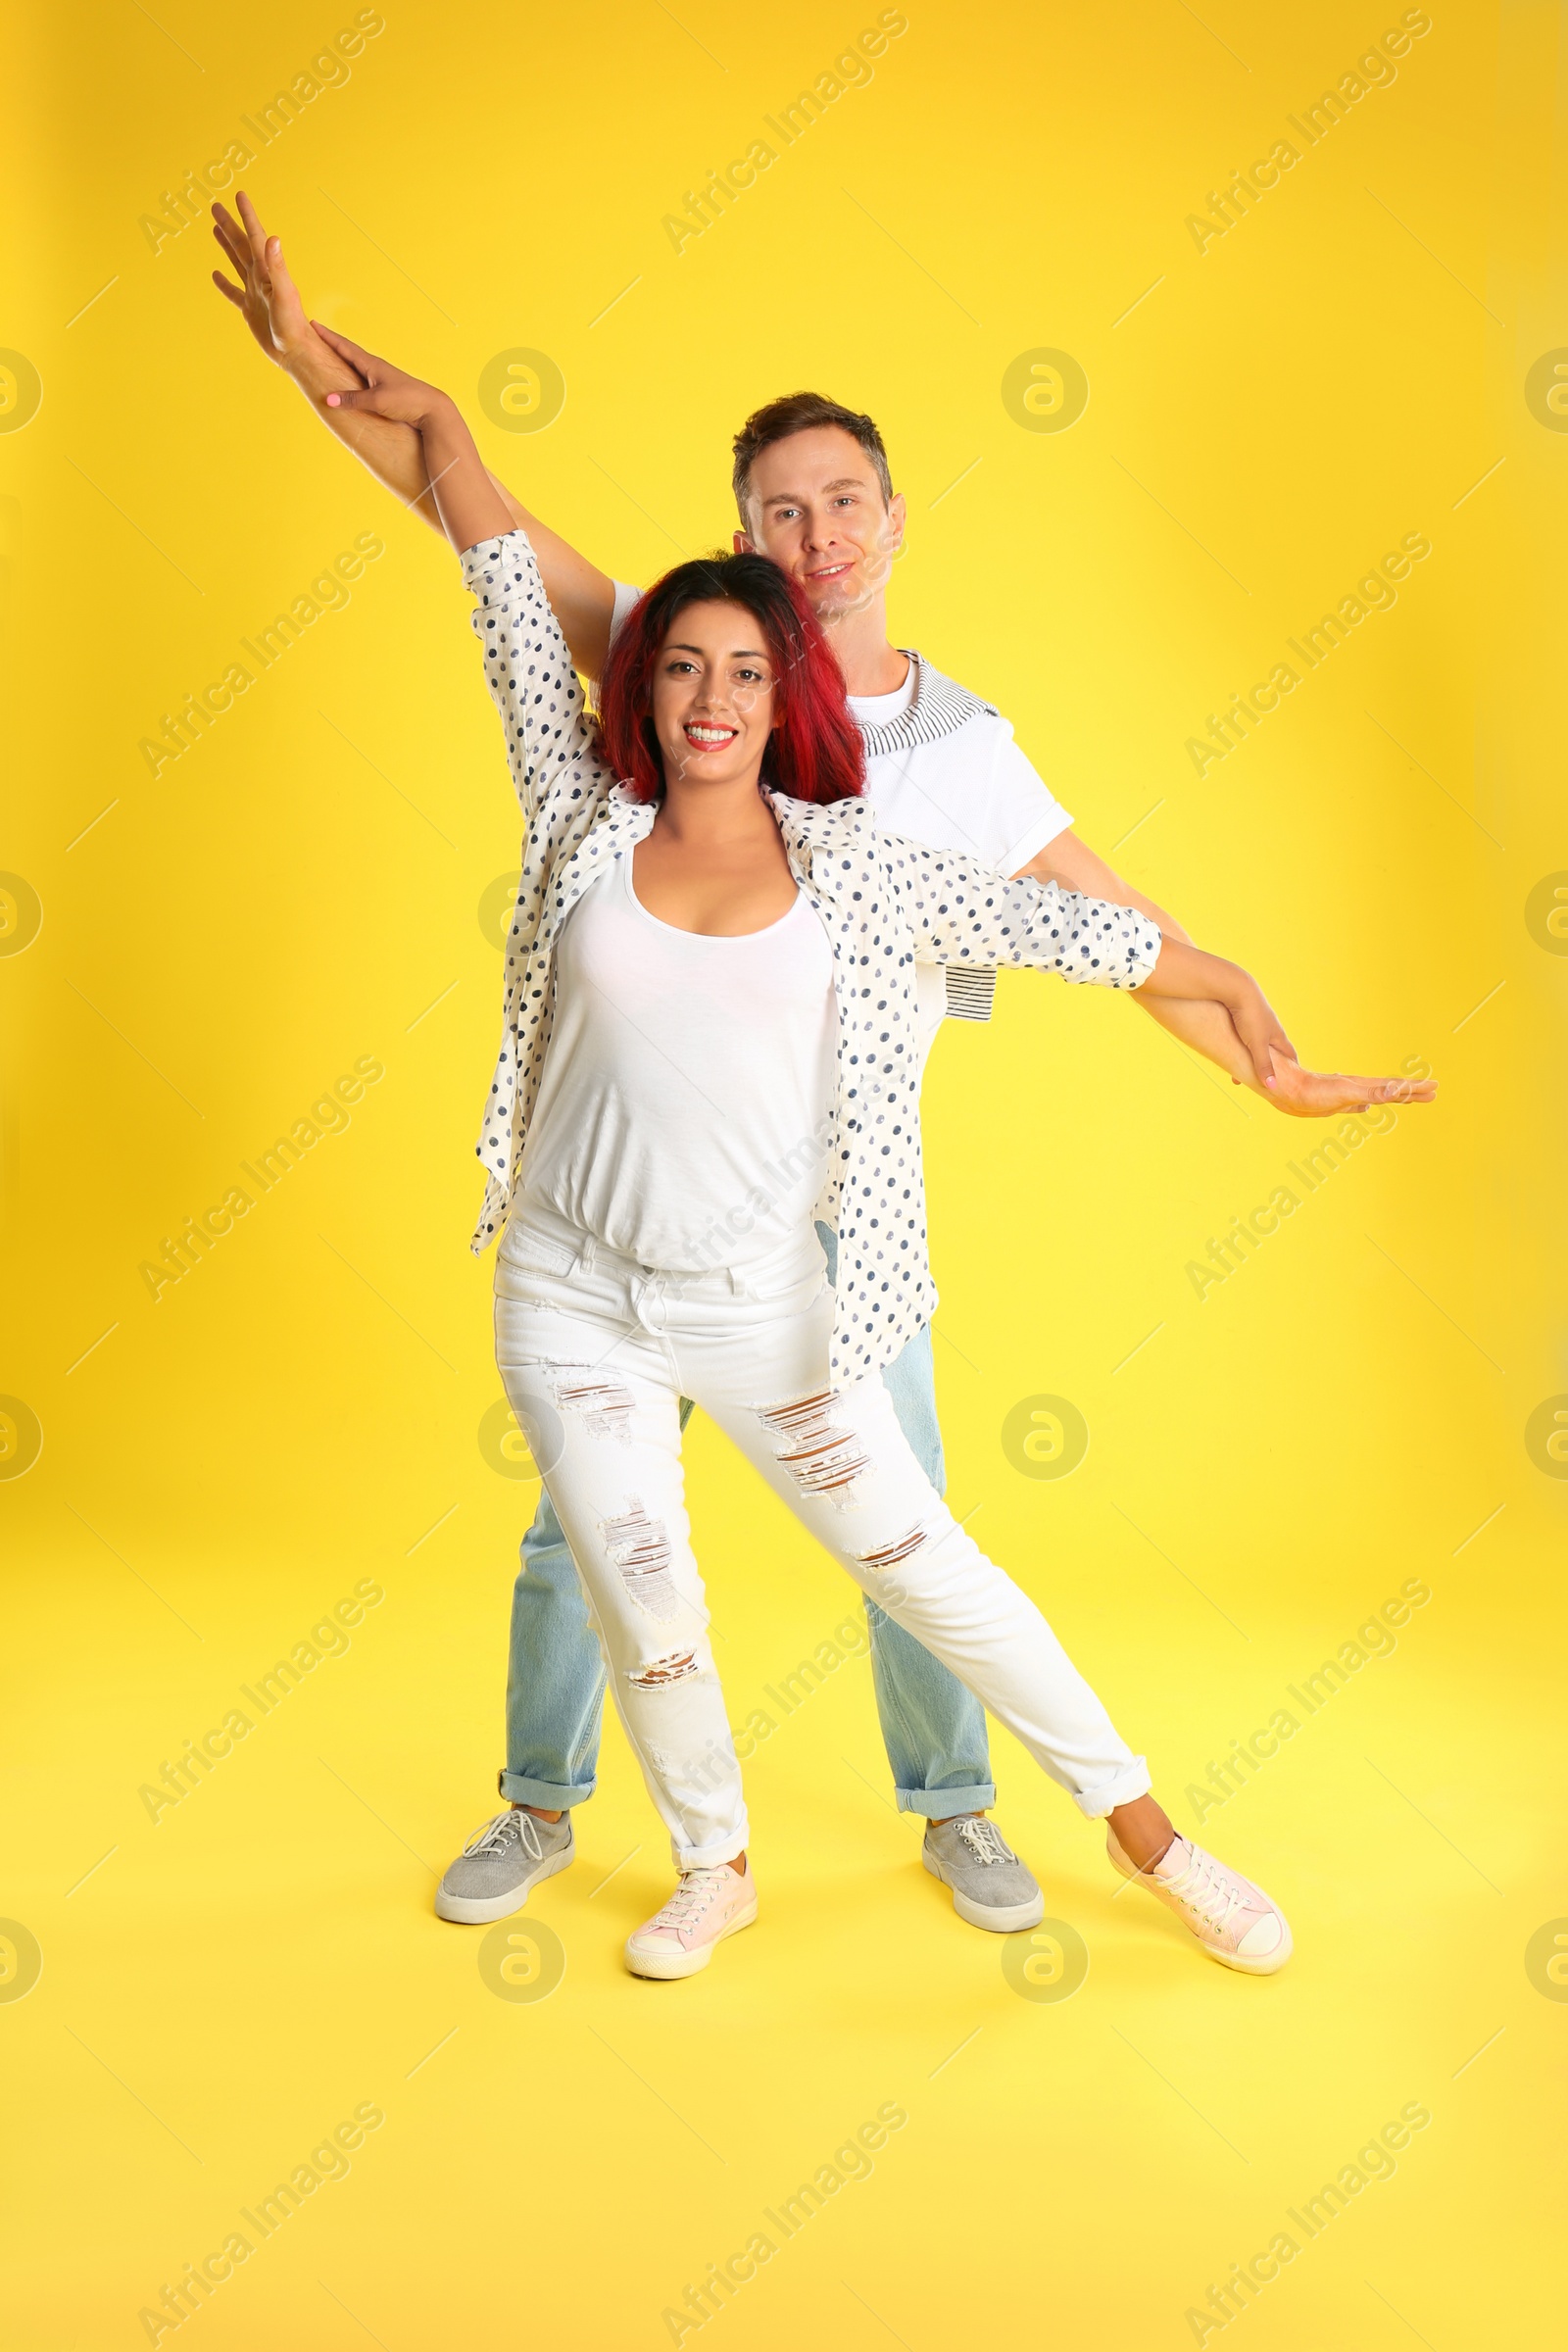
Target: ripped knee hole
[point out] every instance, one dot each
(661, 1672)
(639, 1548)
(883, 1556)
(821, 1456)
(604, 1406)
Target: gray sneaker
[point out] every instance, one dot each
(501, 1866)
(991, 1888)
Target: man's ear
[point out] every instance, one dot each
(896, 518)
(743, 543)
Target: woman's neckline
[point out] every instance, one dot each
(713, 939)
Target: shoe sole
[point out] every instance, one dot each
(998, 1919)
(475, 1911)
(1269, 1965)
(685, 1964)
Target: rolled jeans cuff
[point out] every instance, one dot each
(549, 1799)
(941, 1805)
(711, 1857)
(1133, 1780)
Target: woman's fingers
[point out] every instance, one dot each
(1254, 1035)
(352, 400)
(232, 293)
(356, 355)
(1254, 1025)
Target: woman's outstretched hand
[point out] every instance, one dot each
(470, 505)
(1306, 1094)
(383, 390)
(1186, 971)
(1254, 1021)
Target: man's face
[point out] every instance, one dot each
(817, 508)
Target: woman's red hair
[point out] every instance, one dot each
(815, 753)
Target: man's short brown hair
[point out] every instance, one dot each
(803, 413)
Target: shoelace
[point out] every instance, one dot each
(985, 1840)
(691, 1897)
(492, 1837)
(1207, 1888)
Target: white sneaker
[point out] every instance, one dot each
(707, 1906)
(1236, 1923)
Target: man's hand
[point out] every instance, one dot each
(381, 432)
(266, 297)
(1321, 1094)
(1266, 1058)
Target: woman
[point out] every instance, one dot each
(709, 1042)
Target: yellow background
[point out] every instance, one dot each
(1342, 367)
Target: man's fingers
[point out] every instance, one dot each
(252, 218)
(237, 254)
(283, 288)
(232, 292)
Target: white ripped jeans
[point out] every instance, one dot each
(596, 1353)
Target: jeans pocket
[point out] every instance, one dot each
(532, 1252)
(790, 1289)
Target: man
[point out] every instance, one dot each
(815, 494)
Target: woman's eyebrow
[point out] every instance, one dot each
(739, 652)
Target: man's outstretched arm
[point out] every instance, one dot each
(321, 363)
(1206, 1026)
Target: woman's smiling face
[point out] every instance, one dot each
(716, 702)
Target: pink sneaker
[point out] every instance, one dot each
(707, 1906)
(1233, 1920)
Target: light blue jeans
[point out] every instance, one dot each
(933, 1728)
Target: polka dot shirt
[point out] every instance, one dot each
(886, 904)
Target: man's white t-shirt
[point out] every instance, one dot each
(942, 769)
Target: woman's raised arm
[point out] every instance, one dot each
(528, 667)
(321, 362)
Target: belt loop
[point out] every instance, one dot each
(585, 1260)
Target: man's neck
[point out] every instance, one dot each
(859, 642)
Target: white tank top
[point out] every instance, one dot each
(687, 1098)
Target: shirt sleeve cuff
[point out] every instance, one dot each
(1145, 949)
(1039, 835)
(481, 561)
